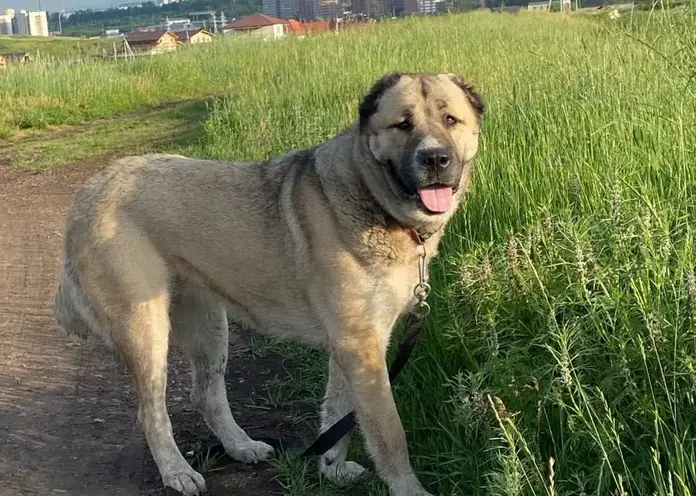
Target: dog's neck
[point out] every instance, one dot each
(355, 200)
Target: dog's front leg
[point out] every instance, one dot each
(361, 360)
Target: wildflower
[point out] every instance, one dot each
(582, 268)
(652, 322)
(547, 222)
(616, 204)
(487, 268)
(465, 278)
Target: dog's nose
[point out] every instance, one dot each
(435, 157)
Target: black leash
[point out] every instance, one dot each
(328, 438)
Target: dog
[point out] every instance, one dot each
(320, 245)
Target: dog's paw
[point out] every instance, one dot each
(187, 482)
(251, 451)
(341, 473)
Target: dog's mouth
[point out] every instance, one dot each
(436, 198)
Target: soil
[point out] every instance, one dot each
(67, 410)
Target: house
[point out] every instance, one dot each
(15, 57)
(297, 28)
(159, 41)
(539, 6)
(257, 25)
(192, 36)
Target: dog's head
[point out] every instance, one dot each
(422, 131)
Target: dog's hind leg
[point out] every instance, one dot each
(200, 327)
(338, 401)
(144, 345)
(131, 294)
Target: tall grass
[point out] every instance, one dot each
(53, 91)
(560, 357)
(561, 353)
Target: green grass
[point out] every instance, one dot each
(55, 92)
(54, 46)
(561, 353)
(164, 128)
(565, 291)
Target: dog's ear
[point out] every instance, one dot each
(472, 95)
(370, 102)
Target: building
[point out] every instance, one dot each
(257, 25)
(192, 36)
(37, 23)
(178, 24)
(309, 10)
(31, 23)
(6, 19)
(159, 41)
(420, 6)
(5, 25)
(329, 9)
(283, 9)
(539, 6)
(113, 33)
(21, 24)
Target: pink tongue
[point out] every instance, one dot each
(437, 199)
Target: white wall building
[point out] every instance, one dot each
(38, 23)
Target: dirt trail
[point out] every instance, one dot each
(67, 412)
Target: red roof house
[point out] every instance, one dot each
(259, 25)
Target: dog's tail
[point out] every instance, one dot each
(73, 311)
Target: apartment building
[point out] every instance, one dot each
(6, 17)
(32, 23)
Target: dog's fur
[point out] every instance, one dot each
(314, 245)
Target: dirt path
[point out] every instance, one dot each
(67, 412)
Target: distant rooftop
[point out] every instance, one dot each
(147, 36)
(256, 20)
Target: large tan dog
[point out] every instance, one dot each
(315, 245)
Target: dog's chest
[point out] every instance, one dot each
(399, 265)
(397, 283)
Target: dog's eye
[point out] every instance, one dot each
(450, 120)
(404, 125)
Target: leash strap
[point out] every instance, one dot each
(412, 329)
(328, 438)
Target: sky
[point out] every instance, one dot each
(54, 5)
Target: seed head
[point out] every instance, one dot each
(487, 268)
(616, 204)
